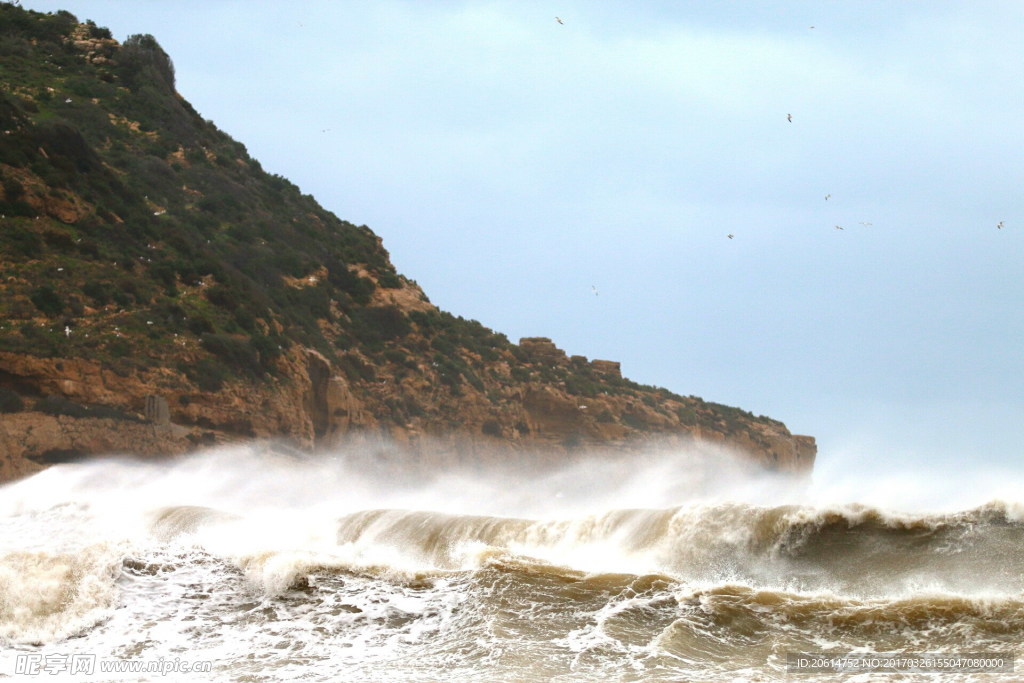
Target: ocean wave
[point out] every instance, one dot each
(801, 525)
(178, 520)
(832, 622)
(855, 549)
(46, 597)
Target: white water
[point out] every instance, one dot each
(292, 567)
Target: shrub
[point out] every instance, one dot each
(443, 345)
(398, 357)
(198, 324)
(14, 46)
(208, 374)
(308, 304)
(59, 241)
(66, 148)
(99, 292)
(83, 86)
(122, 298)
(223, 297)
(449, 371)
(687, 415)
(10, 402)
(38, 340)
(17, 209)
(634, 421)
(389, 280)
(520, 374)
(97, 31)
(119, 348)
(23, 241)
(359, 288)
(236, 353)
(47, 300)
(244, 319)
(143, 61)
(165, 273)
(268, 349)
(377, 324)
(355, 369)
(582, 386)
(13, 189)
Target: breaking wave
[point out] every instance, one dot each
(669, 566)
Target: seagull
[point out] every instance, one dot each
(729, 235)
(865, 223)
(594, 288)
(789, 117)
(559, 21)
(839, 227)
(827, 196)
(999, 225)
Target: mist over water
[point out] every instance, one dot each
(373, 563)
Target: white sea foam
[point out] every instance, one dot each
(46, 597)
(279, 564)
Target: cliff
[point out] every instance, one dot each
(161, 292)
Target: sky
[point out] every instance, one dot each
(791, 207)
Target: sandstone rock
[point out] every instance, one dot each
(408, 297)
(312, 404)
(543, 350)
(607, 367)
(32, 440)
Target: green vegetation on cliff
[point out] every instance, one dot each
(126, 215)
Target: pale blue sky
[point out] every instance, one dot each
(512, 163)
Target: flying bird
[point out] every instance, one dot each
(827, 196)
(729, 235)
(594, 288)
(839, 227)
(865, 223)
(559, 20)
(999, 225)
(789, 117)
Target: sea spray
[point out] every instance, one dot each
(372, 563)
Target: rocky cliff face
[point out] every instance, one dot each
(314, 404)
(160, 293)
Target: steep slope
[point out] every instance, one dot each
(160, 291)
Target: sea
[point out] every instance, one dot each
(369, 563)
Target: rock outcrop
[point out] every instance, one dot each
(30, 441)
